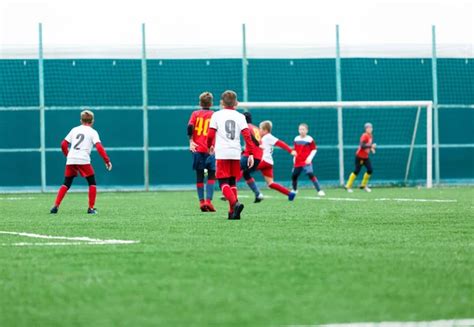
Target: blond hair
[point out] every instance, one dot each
(87, 117)
(304, 125)
(229, 98)
(266, 125)
(205, 99)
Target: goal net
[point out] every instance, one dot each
(402, 132)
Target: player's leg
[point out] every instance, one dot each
(211, 180)
(310, 173)
(368, 173)
(247, 174)
(198, 167)
(354, 174)
(294, 177)
(267, 172)
(69, 175)
(92, 194)
(223, 176)
(62, 193)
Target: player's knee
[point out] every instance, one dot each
(311, 176)
(68, 181)
(211, 174)
(247, 175)
(91, 180)
(356, 172)
(370, 171)
(200, 176)
(232, 181)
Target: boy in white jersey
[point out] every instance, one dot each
(225, 128)
(266, 165)
(82, 139)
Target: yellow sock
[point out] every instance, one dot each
(351, 180)
(365, 180)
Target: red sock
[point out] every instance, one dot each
(61, 193)
(92, 195)
(234, 190)
(229, 195)
(279, 188)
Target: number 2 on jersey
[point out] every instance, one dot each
(202, 126)
(79, 137)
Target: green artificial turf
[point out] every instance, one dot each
(307, 262)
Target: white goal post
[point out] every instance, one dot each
(343, 105)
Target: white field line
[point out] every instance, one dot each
(74, 240)
(17, 198)
(434, 323)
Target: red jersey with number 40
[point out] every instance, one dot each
(366, 141)
(257, 151)
(200, 119)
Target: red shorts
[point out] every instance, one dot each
(226, 168)
(266, 169)
(84, 170)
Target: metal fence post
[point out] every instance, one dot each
(41, 108)
(244, 64)
(146, 159)
(340, 133)
(434, 75)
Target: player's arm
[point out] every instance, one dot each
(248, 145)
(364, 142)
(311, 155)
(286, 147)
(190, 132)
(65, 147)
(101, 150)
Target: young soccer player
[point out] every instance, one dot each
(198, 128)
(362, 159)
(305, 148)
(81, 138)
(266, 165)
(257, 156)
(225, 128)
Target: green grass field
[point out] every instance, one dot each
(307, 262)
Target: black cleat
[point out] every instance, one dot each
(259, 198)
(238, 208)
(92, 211)
(54, 210)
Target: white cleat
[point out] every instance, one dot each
(367, 189)
(321, 193)
(349, 190)
(294, 191)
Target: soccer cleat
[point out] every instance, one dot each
(203, 206)
(291, 196)
(223, 198)
(238, 208)
(366, 188)
(349, 190)
(92, 211)
(259, 198)
(321, 193)
(54, 210)
(210, 206)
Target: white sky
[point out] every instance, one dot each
(209, 22)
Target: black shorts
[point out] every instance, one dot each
(359, 162)
(203, 161)
(244, 164)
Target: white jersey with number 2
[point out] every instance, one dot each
(228, 124)
(268, 142)
(82, 139)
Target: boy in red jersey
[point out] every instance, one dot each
(225, 128)
(198, 128)
(366, 146)
(257, 157)
(266, 165)
(305, 148)
(82, 139)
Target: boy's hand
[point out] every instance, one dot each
(211, 150)
(250, 161)
(293, 153)
(108, 166)
(372, 149)
(192, 146)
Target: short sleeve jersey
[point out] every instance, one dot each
(228, 124)
(82, 139)
(268, 142)
(200, 119)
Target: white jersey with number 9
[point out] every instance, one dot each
(228, 124)
(82, 139)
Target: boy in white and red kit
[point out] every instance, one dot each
(82, 139)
